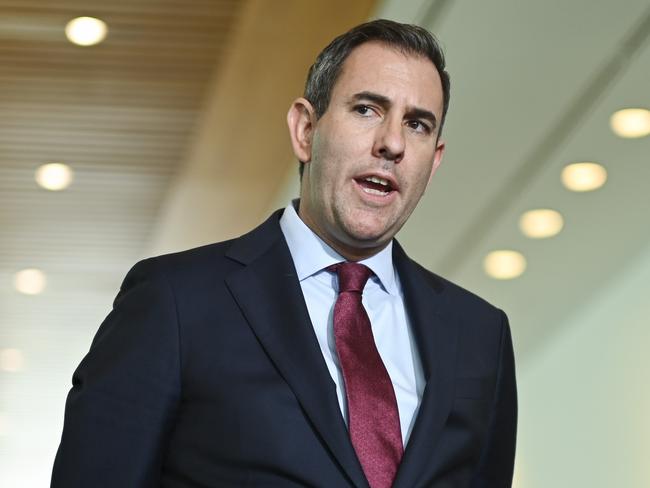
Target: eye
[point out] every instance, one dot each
(419, 126)
(363, 110)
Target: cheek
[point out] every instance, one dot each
(344, 142)
(418, 181)
(331, 160)
(320, 158)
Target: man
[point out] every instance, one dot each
(310, 352)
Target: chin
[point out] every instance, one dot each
(364, 228)
(370, 235)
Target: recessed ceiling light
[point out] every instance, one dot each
(54, 176)
(584, 176)
(30, 281)
(541, 223)
(631, 122)
(86, 31)
(504, 264)
(11, 360)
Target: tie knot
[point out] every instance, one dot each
(352, 276)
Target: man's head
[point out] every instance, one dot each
(374, 105)
(409, 39)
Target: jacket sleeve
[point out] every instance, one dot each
(496, 463)
(125, 392)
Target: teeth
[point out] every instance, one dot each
(372, 191)
(377, 180)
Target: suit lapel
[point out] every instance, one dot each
(269, 295)
(437, 341)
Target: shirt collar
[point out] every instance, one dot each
(311, 254)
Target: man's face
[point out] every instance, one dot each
(373, 151)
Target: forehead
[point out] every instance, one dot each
(408, 79)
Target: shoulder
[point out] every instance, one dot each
(459, 294)
(478, 329)
(190, 263)
(212, 260)
(482, 329)
(202, 270)
(459, 302)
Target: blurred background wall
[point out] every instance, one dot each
(172, 133)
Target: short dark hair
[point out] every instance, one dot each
(410, 39)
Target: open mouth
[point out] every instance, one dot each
(374, 185)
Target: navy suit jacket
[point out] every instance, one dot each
(207, 373)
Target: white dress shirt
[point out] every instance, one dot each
(384, 302)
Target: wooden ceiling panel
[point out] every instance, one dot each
(120, 114)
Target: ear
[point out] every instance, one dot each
(437, 158)
(301, 119)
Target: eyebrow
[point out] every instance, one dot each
(384, 102)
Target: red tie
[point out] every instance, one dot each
(372, 408)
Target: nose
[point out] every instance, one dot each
(389, 141)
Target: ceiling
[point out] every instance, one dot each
(119, 113)
(533, 86)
